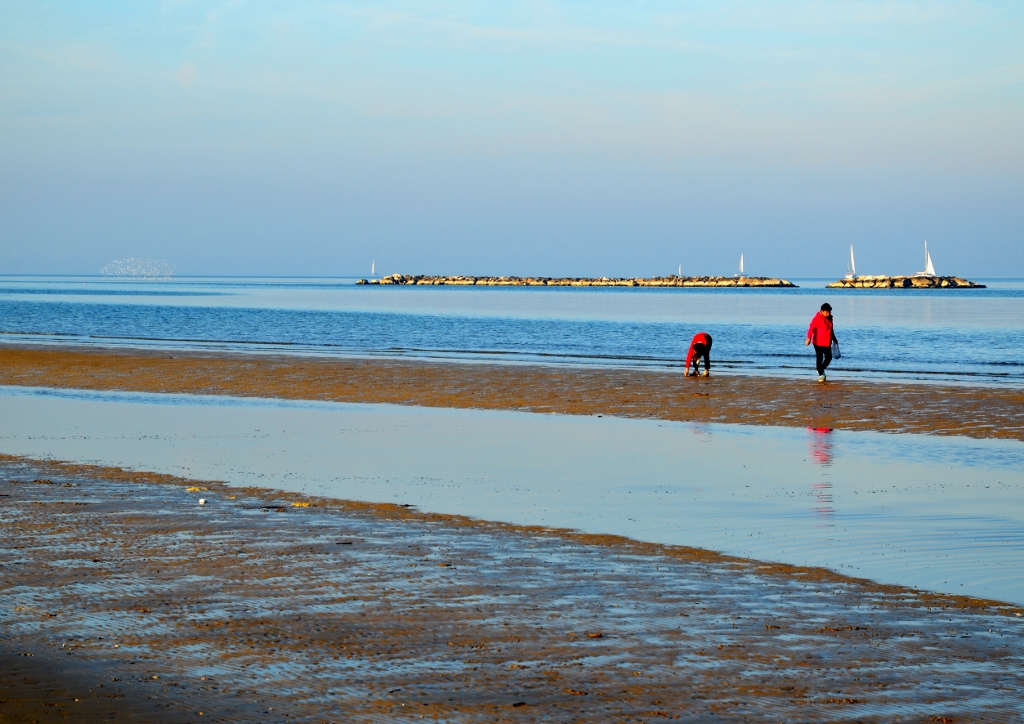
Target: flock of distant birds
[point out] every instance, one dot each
(926, 279)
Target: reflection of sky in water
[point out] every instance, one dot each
(940, 513)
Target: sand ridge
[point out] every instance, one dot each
(979, 412)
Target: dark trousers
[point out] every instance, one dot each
(699, 351)
(822, 358)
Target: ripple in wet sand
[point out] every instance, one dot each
(249, 607)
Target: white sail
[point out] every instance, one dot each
(741, 265)
(851, 273)
(680, 274)
(929, 269)
(373, 268)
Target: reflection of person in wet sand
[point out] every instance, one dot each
(699, 347)
(821, 445)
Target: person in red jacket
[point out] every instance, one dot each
(699, 347)
(821, 335)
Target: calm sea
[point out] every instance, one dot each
(963, 335)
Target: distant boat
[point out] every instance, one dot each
(680, 274)
(929, 270)
(852, 271)
(373, 268)
(741, 267)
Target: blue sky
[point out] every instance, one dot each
(512, 138)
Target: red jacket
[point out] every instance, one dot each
(820, 332)
(700, 338)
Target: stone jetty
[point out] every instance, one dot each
(669, 281)
(904, 282)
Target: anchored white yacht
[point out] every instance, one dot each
(929, 270)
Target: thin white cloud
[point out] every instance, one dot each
(70, 55)
(186, 75)
(548, 34)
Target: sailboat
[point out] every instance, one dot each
(373, 268)
(851, 273)
(929, 270)
(741, 267)
(680, 274)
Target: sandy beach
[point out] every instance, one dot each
(124, 597)
(974, 411)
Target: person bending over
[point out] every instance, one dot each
(699, 347)
(821, 335)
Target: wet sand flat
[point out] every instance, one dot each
(980, 412)
(943, 513)
(269, 606)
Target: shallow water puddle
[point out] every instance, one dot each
(945, 514)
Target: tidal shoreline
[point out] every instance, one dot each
(265, 605)
(979, 412)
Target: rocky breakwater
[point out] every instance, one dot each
(904, 282)
(669, 281)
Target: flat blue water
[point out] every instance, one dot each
(962, 335)
(940, 513)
